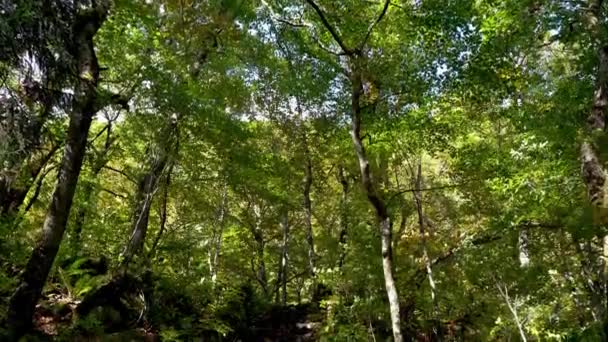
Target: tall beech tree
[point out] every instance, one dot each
(86, 23)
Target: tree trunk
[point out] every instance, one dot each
(217, 239)
(284, 251)
(16, 222)
(504, 292)
(163, 211)
(593, 172)
(588, 271)
(38, 188)
(308, 209)
(592, 167)
(425, 255)
(375, 199)
(522, 244)
(23, 301)
(343, 216)
(158, 157)
(356, 56)
(258, 236)
(145, 192)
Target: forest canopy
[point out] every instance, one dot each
(303, 170)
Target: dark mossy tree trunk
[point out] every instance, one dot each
(592, 166)
(22, 303)
(158, 157)
(163, 211)
(308, 207)
(343, 235)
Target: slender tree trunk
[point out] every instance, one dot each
(23, 301)
(604, 285)
(404, 213)
(425, 255)
(504, 292)
(284, 259)
(38, 188)
(308, 209)
(145, 193)
(158, 157)
(343, 216)
(356, 57)
(588, 271)
(258, 236)
(522, 244)
(33, 198)
(217, 241)
(375, 199)
(261, 273)
(163, 211)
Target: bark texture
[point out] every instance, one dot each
(593, 170)
(592, 167)
(24, 299)
(159, 155)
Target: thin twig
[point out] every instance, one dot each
(120, 172)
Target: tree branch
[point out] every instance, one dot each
(478, 241)
(301, 24)
(39, 183)
(419, 277)
(345, 49)
(99, 133)
(114, 193)
(120, 172)
(373, 25)
(449, 186)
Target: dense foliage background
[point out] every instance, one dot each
(316, 170)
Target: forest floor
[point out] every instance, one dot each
(293, 323)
